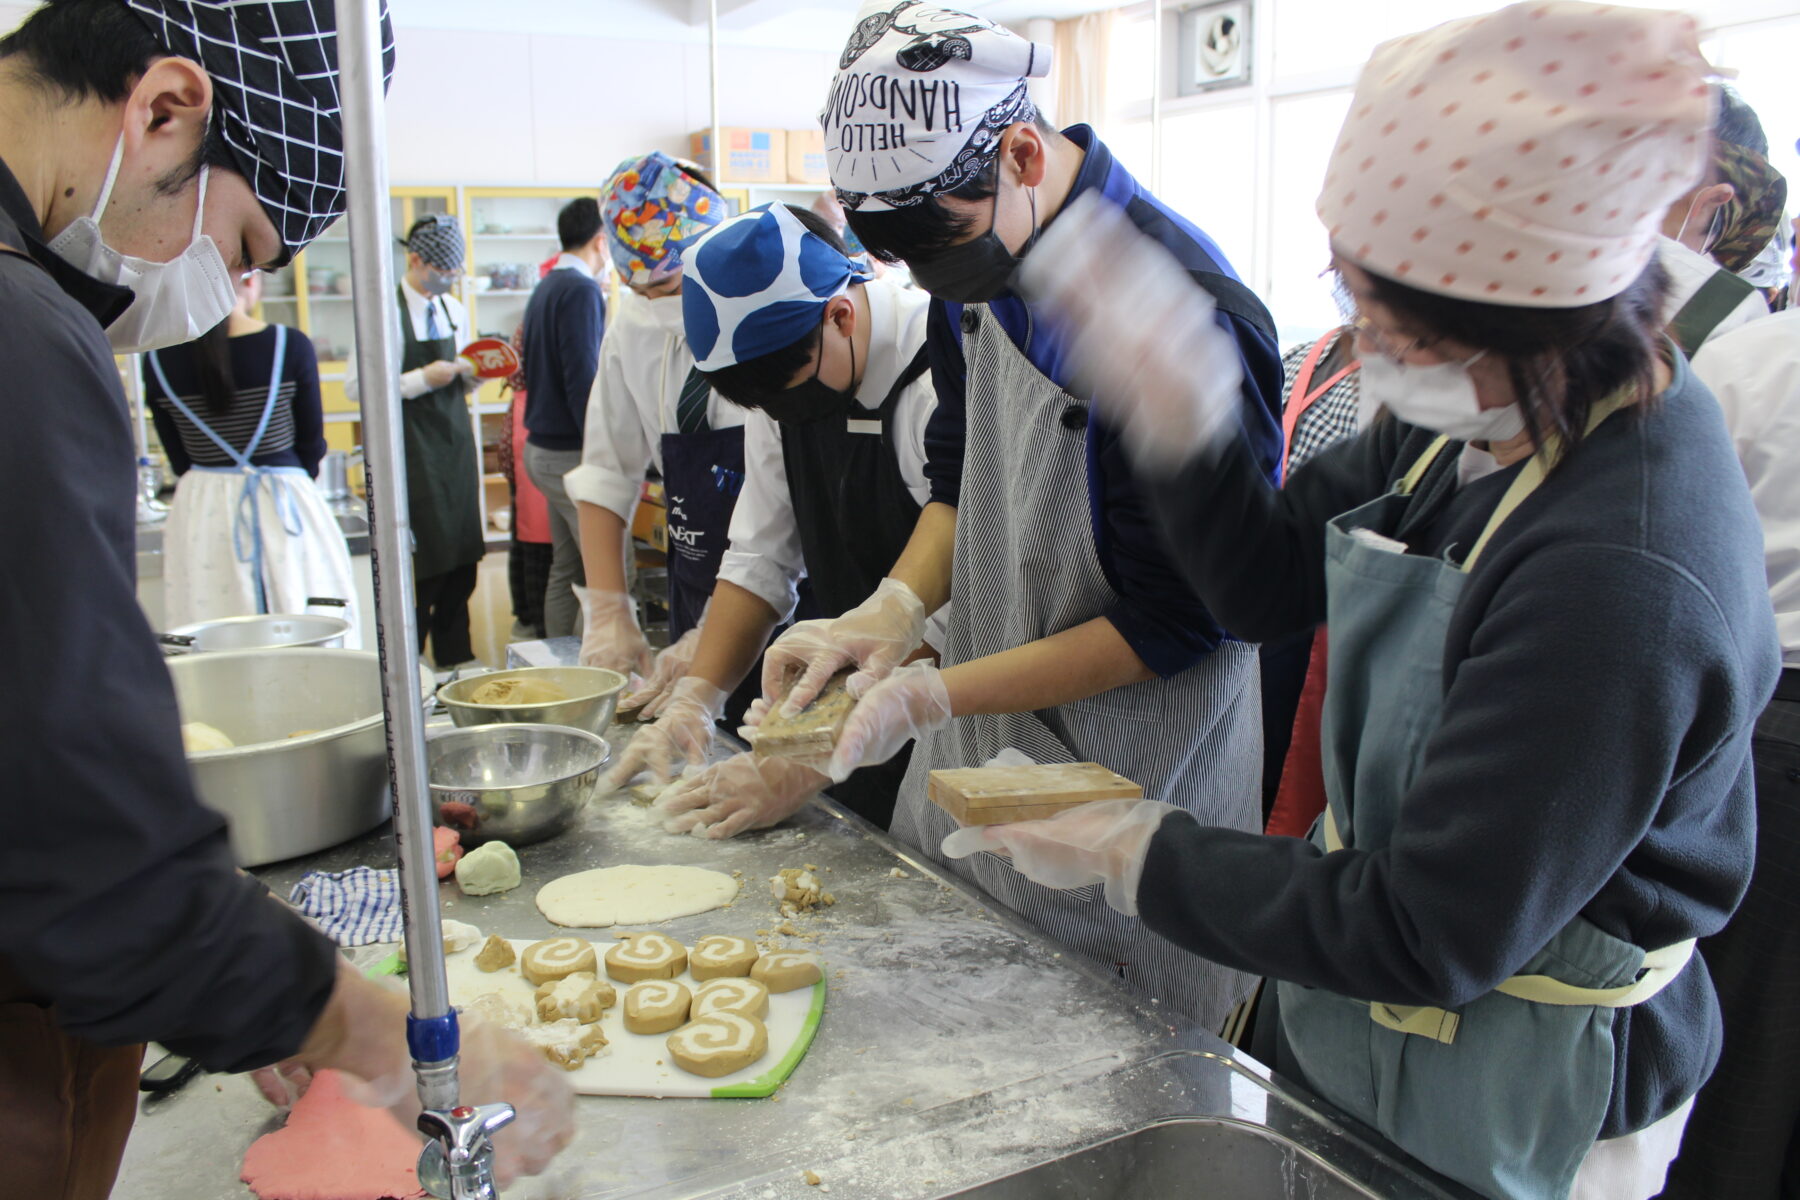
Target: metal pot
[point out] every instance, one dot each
(591, 696)
(309, 768)
(518, 783)
(265, 631)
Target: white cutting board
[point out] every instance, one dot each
(638, 1064)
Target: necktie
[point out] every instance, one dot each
(434, 328)
(690, 410)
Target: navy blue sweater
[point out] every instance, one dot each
(1156, 613)
(563, 324)
(1604, 668)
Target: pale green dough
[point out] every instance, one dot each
(487, 869)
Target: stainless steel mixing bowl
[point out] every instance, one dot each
(287, 795)
(260, 632)
(514, 783)
(592, 698)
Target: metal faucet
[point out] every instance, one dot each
(459, 1163)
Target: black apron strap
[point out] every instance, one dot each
(1717, 299)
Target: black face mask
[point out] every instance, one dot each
(811, 401)
(974, 272)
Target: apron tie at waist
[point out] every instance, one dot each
(1659, 969)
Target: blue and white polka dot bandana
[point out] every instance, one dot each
(758, 283)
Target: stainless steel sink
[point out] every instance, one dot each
(1211, 1158)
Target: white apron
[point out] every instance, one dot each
(246, 539)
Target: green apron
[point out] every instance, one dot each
(1507, 1094)
(442, 472)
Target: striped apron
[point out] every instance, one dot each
(1025, 568)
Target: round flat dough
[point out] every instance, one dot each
(554, 958)
(641, 956)
(633, 895)
(719, 1044)
(785, 970)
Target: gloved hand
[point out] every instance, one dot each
(876, 636)
(1105, 842)
(684, 731)
(890, 714)
(1172, 385)
(362, 1032)
(670, 667)
(610, 636)
(742, 792)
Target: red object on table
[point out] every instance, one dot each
(493, 358)
(448, 846)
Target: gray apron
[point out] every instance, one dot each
(1026, 568)
(1507, 1094)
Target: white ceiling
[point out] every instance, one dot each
(793, 24)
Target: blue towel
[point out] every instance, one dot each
(353, 907)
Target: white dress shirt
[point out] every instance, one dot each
(1688, 271)
(764, 557)
(418, 311)
(644, 360)
(1755, 373)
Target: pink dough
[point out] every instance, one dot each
(447, 845)
(334, 1149)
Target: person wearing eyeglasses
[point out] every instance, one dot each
(1551, 631)
(442, 484)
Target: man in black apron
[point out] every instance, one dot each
(441, 465)
(832, 366)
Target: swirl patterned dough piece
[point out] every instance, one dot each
(746, 997)
(656, 1006)
(785, 970)
(641, 956)
(554, 958)
(580, 996)
(718, 1044)
(717, 956)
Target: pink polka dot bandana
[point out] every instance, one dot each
(1523, 157)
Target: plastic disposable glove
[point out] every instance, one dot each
(911, 701)
(670, 667)
(610, 636)
(684, 732)
(363, 1034)
(1171, 385)
(876, 636)
(742, 792)
(1104, 842)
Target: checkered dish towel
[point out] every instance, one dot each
(353, 907)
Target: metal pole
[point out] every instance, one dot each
(1156, 95)
(712, 92)
(431, 1030)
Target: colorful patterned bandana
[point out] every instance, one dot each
(274, 67)
(654, 210)
(759, 283)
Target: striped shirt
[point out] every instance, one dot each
(296, 433)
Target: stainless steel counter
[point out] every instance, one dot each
(958, 1051)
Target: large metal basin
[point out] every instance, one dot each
(1207, 1159)
(287, 795)
(259, 632)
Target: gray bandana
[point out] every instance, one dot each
(439, 241)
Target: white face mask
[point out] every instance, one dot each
(665, 311)
(1439, 397)
(175, 301)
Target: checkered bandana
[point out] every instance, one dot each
(438, 240)
(274, 67)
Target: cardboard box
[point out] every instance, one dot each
(751, 155)
(806, 157)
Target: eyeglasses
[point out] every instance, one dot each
(1386, 346)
